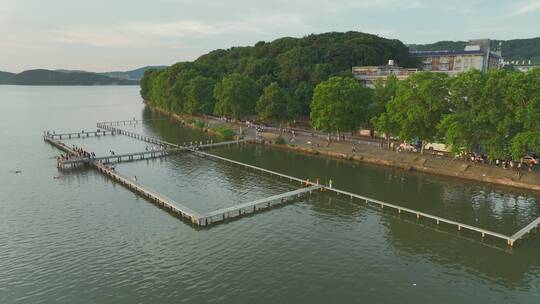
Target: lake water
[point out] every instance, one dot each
(80, 238)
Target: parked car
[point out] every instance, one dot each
(437, 147)
(405, 146)
(530, 159)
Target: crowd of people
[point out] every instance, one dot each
(78, 153)
(501, 163)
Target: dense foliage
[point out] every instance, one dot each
(296, 65)
(236, 96)
(275, 104)
(340, 104)
(496, 113)
(419, 104)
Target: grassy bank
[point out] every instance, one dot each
(219, 130)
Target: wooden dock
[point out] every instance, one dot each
(438, 220)
(119, 157)
(134, 156)
(128, 122)
(254, 206)
(84, 134)
(525, 230)
(510, 240)
(158, 198)
(138, 136)
(223, 214)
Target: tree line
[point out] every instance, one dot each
(497, 114)
(296, 65)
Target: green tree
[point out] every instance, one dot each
(275, 104)
(200, 95)
(339, 104)
(460, 128)
(236, 96)
(383, 92)
(524, 98)
(421, 101)
(524, 143)
(303, 96)
(385, 124)
(495, 117)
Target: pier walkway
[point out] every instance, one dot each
(254, 206)
(76, 162)
(223, 214)
(79, 134)
(128, 122)
(158, 198)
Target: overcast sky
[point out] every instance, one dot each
(105, 35)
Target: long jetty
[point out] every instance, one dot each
(254, 206)
(223, 214)
(158, 198)
(127, 122)
(143, 155)
(81, 134)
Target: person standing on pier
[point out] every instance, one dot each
(135, 178)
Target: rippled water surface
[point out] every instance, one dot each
(77, 237)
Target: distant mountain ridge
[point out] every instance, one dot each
(48, 77)
(512, 50)
(136, 74)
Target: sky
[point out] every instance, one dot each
(107, 35)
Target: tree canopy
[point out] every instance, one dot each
(497, 113)
(418, 106)
(297, 65)
(339, 104)
(275, 104)
(236, 96)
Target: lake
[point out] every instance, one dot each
(77, 237)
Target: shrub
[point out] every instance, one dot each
(280, 141)
(224, 132)
(199, 124)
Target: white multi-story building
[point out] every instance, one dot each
(477, 55)
(368, 75)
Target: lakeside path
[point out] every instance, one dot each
(371, 151)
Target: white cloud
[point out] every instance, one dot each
(176, 32)
(171, 29)
(526, 8)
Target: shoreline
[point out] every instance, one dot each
(427, 163)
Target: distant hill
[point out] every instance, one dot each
(136, 74)
(296, 64)
(6, 77)
(48, 77)
(515, 49)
